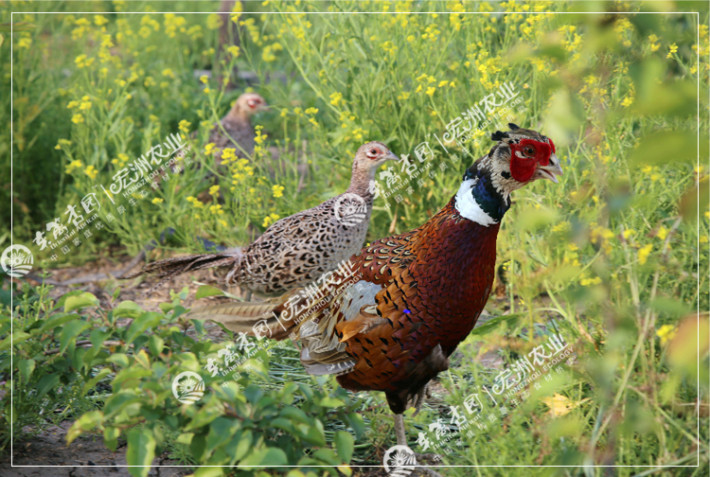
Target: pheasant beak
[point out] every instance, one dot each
(550, 171)
(392, 156)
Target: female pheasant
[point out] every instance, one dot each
(296, 250)
(391, 322)
(235, 129)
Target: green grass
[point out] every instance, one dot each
(614, 254)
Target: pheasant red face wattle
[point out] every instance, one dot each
(527, 155)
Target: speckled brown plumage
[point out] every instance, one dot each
(235, 129)
(297, 249)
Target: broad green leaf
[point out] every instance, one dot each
(141, 324)
(328, 401)
(140, 451)
(47, 382)
(271, 456)
(345, 445)
(57, 320)
(127, 309)
(89, 385)
(209, 472)
(130, 374)
(79, 301)
(69, 332)
(240, 448)
(156, 345)
(207, 290)
(663, 146)
(26, 366)
(120, 359)
(111, 435)
(17, 337)
(493, 323)
(87, 422)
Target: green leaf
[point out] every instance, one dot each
(47, 382)
(295, 414)
(17, 337)
(237, 450)
(87, 422)
(141, 324)
(69, 332)
(57, 320)
(493, 323)
(657, 148)
(26, 366)
(111, 435)
(130, 374)
(79, 301)
(328, 401)
(271, 456)
(140, 451)
(209, 472)
(119, 359)
(207, 290)
(89, 385)
(221, 429)
(128, 308)
(345, 445)
(156, 345)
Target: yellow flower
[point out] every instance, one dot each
(206, 90)
(228, 154)
(559, 405)
(430, 91)
(91, 172)
(277, 191)
(336, 98)
(157, 200)
(666, 333)
(216, 209)
(100, 20)
(167, 72)
(628, 233)
(662, 233)
(204, 79)
(24, 43)
(311, 110)
(628, 101)
(77, 119)
(209, 148)
(233, 50)
(585, 282)
(644, 252)
(184, 126)
(671, 50)
(61, 143)
(195, 203)
(214, 189)
(269, 219)
(75, 164)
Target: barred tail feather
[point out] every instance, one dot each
(170, 267)
(254, 319)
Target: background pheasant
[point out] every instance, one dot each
(298, 249)
(235, 129)
(409, 299)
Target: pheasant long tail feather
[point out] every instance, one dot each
(255, 319)
(170, 267)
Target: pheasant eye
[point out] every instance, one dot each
(373, 152)
(529, 151)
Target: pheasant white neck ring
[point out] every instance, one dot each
(478, 201)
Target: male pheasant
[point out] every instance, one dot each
(297, 250)
(393, 321)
